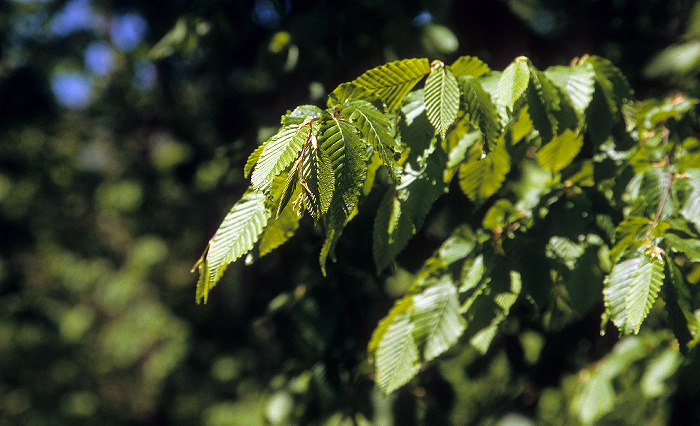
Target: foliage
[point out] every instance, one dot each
(616, 179)
(125, 130)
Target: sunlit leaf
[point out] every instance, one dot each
(480, 177)
(577, 81)
(441, 99)
(513, 82)
(278, 153)
(469, 66)
(631, 289)
(438, 323)
(392, 82)
(482, 111)
(560, 151)
(236, 235)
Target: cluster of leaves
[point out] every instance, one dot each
(578, 195)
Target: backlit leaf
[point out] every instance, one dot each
(392, 82)
(469, 66)
(480, 177)
(559, 153)
(278, 153)
(441, 99)
(631, 289)
(577, 81)
(513, 82)
(438, 323)
(236, 235)
(482, 111)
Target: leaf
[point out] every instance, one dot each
(678, 299)
(437, 321)
(236, 235)
(549, 108)
(482, 111)
(688, 246)
(480, 178)
(317, 180)
(392, 82)
(396, 358)
(613, 83)
(578, 82)
(441, 99)
(691, 207)
(513, 82)
(253, 158)
(279, 229)
(301, 114)
(629, 236)
(560, 151)
(347, 91)
(469, 66)
(403, 209)
(278, 153)
(631, 289)
(375, 128)
(349, 162)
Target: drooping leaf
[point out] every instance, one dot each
(631, 289)
(441, 99)
(317, 180)
(679, 300)
(253, 158)
(691, 207)
(549, 108)
(469, 66)
(438, 323)
(513, 82)
(683, 244)
(577, 81)
(395, 353)
(482, 111)
(392, 82)
(614, 85)
(560, 151)
(403, 209)
(375, 128)
(278, 153)
(236, 235)
(480, 177)
(349, 162)
(279, 229)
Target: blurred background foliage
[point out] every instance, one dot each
(124, 127)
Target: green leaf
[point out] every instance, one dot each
(691, 207)
(679, 300)
(236, 235)
(577, 81)
(278, 153)
(688, 246)
(317, 180)
(629, 236)
(441, 99)
(253, 158)
(279, 229)
(397, 355)
(480, 177)
(349, 162)
(438, 323)
(549, 108)
(403, 209)
(559, 153)
(613, 84)
(375, 128)
(301, 114)
(513, 82)
(469, 66)
(392, 82)
(347, 91)
(631, 289)
(482, 111)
